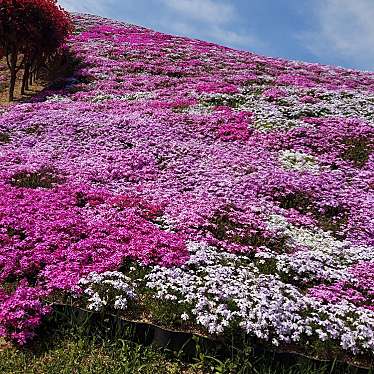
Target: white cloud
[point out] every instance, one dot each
(207, 19)
(233, 38)
(203, 10)
(346, 29)
(98, 7)
(211, 33)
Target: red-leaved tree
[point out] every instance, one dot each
(31, 31)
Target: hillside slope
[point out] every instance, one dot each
(238, 185)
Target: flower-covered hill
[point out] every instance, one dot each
(201, 186)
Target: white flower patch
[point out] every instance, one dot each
(292, 160)
(326, 257)
(269, 117)
(226, 99)
(350, 104)
(224, 295)
(57, 99)
(287, 113)
(126, 97)
(166, 223)
(108, 289)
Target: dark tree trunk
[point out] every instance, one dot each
(25, 80)
(12, 64)
(12, 85)
(30, 78)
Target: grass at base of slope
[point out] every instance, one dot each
(70, 353)
(66, 346)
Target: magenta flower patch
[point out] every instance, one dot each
(219, 188)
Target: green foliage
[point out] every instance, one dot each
(239, 356)
(357, 151)
(68, 353)
(4, 138)
(15, 232)
(35, 129)
(293, 114)
(233, 101)
(296, 200)
(77, 343)
(224, 227)
(330, 218)
(333, 219)
(40, 179)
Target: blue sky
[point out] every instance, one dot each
(337, 32)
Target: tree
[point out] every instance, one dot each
(31, 31)
(53, 22)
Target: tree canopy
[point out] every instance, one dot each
(31, 31)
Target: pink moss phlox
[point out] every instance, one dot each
(158, 141)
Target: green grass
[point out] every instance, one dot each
(69, 344)
(69, 352)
